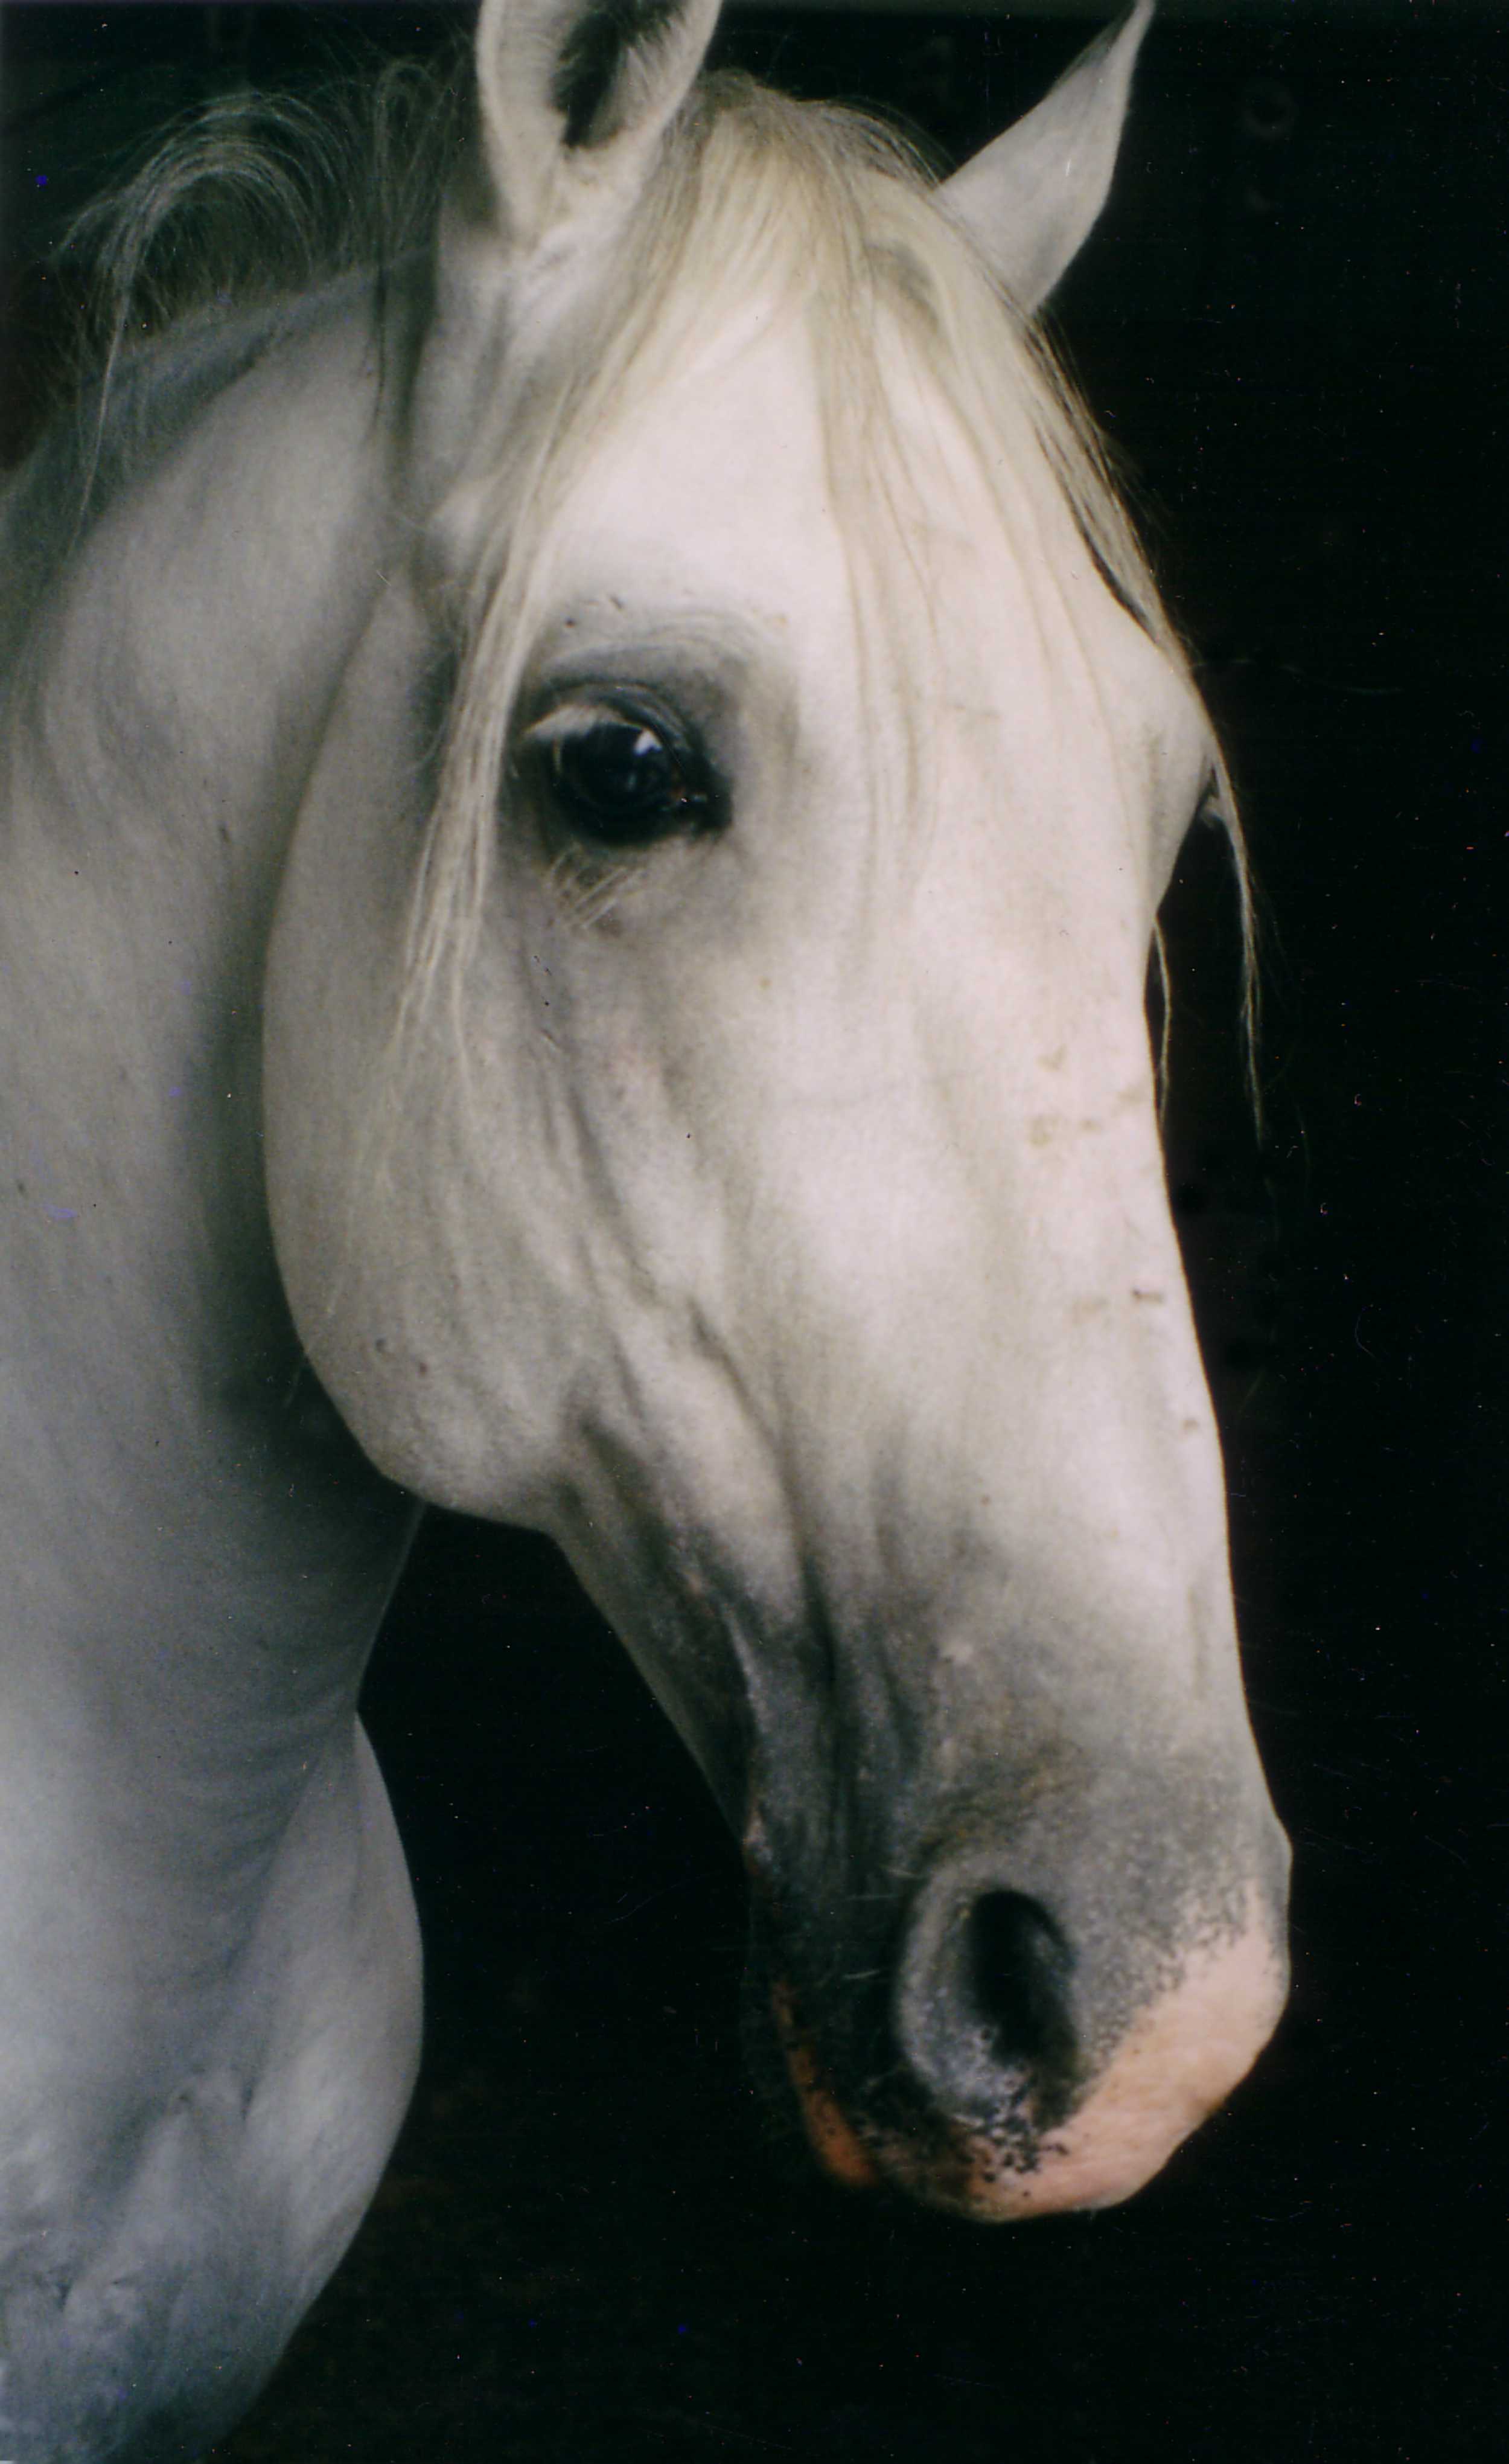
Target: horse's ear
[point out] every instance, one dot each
(1030, 199)
(573, 96)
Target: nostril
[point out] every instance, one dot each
(989, 2006)
(1016, 1971)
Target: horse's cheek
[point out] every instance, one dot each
(343, 1167)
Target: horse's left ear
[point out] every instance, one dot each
(1030, 199)
(573, 98)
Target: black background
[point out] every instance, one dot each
(593, 2244)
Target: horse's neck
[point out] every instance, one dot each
(185, 1534)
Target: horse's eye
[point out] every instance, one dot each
(618, 778)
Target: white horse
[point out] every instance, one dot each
(581, 834)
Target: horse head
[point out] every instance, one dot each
(709, 1110)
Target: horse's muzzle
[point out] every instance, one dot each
(1000, 2101)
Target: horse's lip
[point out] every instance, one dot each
(832, 2137)
(959, 2172)
(833, 2141)
(956, 2172)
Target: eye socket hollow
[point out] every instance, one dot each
(617, 776)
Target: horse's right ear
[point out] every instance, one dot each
(573, 97)
(1031, 199)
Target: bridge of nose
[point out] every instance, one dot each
(1006, 1371)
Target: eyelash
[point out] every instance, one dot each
(585, 887)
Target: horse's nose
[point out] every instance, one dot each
(1053, 2079)
(985, 2007)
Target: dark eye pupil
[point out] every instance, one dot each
(619, 781)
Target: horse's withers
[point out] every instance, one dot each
(772, 1209)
